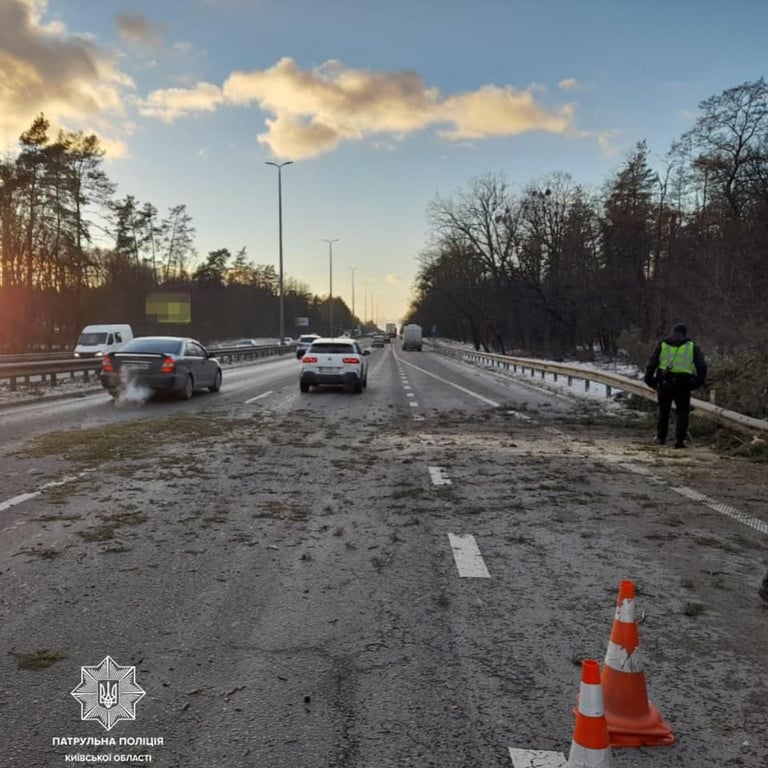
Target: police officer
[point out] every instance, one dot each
(674, 369)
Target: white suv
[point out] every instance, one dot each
(304, 342)
(334, 362)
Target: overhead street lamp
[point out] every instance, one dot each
(330, 282)
(280, 167)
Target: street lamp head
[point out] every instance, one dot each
(278, 165)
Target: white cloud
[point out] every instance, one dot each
(393, 279)
(173, 103)
(313, 111)
(569, 84)
(44, 68)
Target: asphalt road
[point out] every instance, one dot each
(290, 574)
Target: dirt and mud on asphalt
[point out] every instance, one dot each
(283, 585)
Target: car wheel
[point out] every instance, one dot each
(358, 386)
(216, 383)
(303, 386)
(114, 392)
(189, 388)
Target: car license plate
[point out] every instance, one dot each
(329, 369)
(136, 366)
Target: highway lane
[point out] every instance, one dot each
(290, 593)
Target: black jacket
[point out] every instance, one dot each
(676, 340)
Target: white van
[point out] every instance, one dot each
(99, 340)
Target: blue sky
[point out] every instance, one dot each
(381, 106)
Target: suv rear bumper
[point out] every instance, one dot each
(347, 379)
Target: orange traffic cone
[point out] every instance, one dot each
(589, 747)
(632, 720)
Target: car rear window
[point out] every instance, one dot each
(332, 349)
(307, 339)
(166, 346)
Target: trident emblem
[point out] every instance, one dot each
(108, 693)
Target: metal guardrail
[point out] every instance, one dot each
(31, 357)
(611, 381)
(48, 371)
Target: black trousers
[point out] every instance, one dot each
(677, 391)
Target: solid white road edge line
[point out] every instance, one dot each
(258, 397)
(689, 493)
(723, 509)
(466, 554)
(466, 391)
(537, 758)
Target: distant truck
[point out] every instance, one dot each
(412, 337)
(391, 330)
(99, 340)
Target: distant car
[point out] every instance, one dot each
(334, 362)
(162, 364)
(304, 342)
(377, 341)
(287, 340)
(246, 343)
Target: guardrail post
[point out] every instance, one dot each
(13, 383)
(607, 390)
(586, 385)
(570, 381)
(543, 375)
(53, 379)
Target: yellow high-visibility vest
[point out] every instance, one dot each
(677, 359)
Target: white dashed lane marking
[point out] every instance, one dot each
(20, 499)
(258, 397)
(439, 476)
(536, 758)
(466, 554)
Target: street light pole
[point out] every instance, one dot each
(330, 282)
(280, 167)
(352, 270)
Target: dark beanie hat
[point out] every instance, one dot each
(680, 328)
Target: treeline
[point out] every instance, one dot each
(558, 269)
(71, 253)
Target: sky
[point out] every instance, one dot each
(380, 107)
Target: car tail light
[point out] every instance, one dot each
(306, 359)
(106, 366)
(168, 365)
(350, 360)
